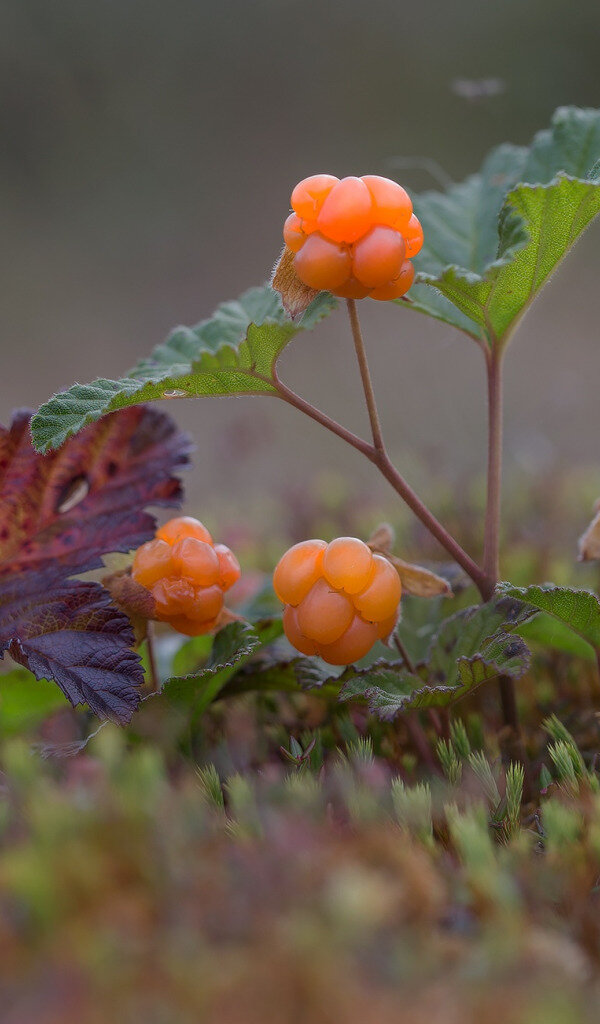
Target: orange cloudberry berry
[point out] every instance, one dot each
(354, 237)
(322, 264)
(310, 194)
(339, 598)
(187, 575)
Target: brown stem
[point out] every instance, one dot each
(152, 667)
(491, 547)
(365, 374)
(381, 459)
(389, 471)
(404, 653)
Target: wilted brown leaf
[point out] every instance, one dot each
(589, 542)
(416, 580)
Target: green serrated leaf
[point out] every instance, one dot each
(577, 609)
(492, 241)
(470, 648)
(232, 353)
(285, 676)
(232, 648)
(476, 640)
(547, 631)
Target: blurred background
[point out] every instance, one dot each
(148, 152)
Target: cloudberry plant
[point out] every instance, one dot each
(354, 237)
(339, 598)
(187, 574)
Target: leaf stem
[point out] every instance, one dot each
(381, 459)
(152, 666)
(365, 374)
(491, 545)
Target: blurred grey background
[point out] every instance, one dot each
(148, 152)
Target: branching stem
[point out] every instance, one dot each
(377, 454)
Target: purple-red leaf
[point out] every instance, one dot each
(59, 514)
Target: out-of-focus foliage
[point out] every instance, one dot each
(129, 893)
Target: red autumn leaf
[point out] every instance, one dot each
(59, 514)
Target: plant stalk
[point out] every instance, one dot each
(491, 545)
(365, 374)
(377, 454)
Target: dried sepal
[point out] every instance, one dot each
(295, 295)
(415, 579)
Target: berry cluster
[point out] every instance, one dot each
(187, 575)
(354, 237)
(339, 598)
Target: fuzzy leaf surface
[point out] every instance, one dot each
(232, 353)
(232, 647)
(469, 649)
(577, 609)
(59, 628)
(492, 241)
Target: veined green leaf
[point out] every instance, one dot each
(233, 646)
(234, 352)
(577, 609)
(470, 648)
(492, 241)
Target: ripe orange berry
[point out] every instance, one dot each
(190, 628)
(379, 600)
(325, 613)
(187, 575)
(292, 631)
(322, 264)
(296, 572)
(173, 596)
(339, 597)
(310, 194)
(391, 202)
(395, 289)
(413, 236)
(347, 212)
(352, 289)
(196, 561)
(353, 237)
(229, 567)
(353, 644)
(387, 626)
(151, 562)
(293, 235)
(207, 604)
(378, 257)
(183, 526)
(348, 564)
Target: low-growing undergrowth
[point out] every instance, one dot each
(131, 892)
